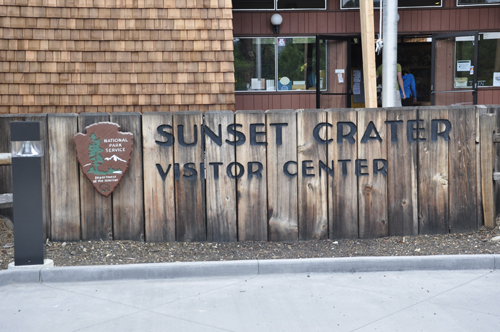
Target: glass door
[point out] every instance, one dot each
(333, 86)
(454, 68)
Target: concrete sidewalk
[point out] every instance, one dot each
(437, 293)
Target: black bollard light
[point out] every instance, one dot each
(27, 153)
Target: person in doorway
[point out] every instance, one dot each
(399, 82)
(409, 88)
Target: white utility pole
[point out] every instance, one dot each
(390, 52)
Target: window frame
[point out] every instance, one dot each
(276, 66)
(276, 8)
(455, 60)
(378, 8)
(478, 4)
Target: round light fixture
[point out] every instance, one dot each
(276, 21)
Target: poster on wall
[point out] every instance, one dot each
(463, 65)
(357, 86)
(496, 79)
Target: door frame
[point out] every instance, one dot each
(348, 94)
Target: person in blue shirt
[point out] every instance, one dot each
(409, 88)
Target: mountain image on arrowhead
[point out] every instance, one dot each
(104, 154)
(115, 158)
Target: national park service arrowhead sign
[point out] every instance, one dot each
(104, 155)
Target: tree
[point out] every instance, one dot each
(95, 153)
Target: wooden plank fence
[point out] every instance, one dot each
(279, 175)
(7, 198)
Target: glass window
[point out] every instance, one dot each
(278, 4)
(254, 60)
(249, 4)
(488, 62)
(295, 4)
(297, 63)
(477, 2)
(351, 4)
(277, 64)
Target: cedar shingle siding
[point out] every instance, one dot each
(110, 55)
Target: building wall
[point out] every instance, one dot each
(336, 21)
(115, 55)
(425, 21)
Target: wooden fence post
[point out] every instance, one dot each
(480, 110)
(401, 173)
(372, 179)
(312, 179)
(462, 169)
(343, 187)
(64, 179)
(495, 109)
(487, 126)
(282, 172)
(158, 164)
(252, 190)
(190, 177)
(128, 199)
(433, 200)
(96, 209)
(221, 187)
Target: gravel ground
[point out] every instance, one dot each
(131, 252)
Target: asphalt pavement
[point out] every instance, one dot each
(431, 293)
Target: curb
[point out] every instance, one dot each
(379, 264)
(247, 267)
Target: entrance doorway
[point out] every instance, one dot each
(415, 55)
(333, 87)
(345, 86)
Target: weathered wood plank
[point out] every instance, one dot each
(495, 109)
(371, 168)
(433, 172)
(221, 172)
(96, 209)
(402, 172)
(281, 127)
(487, 125)
(462, 168)
(158, 150)
(190, 178)
(312, 178)
(5, 159)
(64, 183)
(343, 193)
(128, 199)
(480, 109)
(252, 188)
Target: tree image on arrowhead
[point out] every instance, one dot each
(96, 158)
